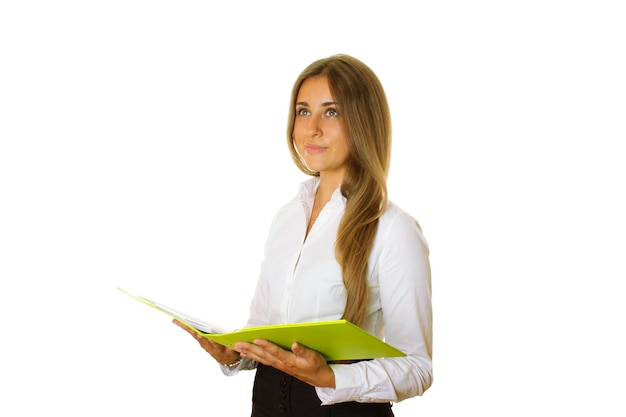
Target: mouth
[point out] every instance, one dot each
(314, 149)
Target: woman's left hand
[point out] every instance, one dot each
(305, 364)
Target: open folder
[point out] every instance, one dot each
(335, 340)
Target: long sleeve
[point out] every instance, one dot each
(400, 263)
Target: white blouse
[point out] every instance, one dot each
(301, 281)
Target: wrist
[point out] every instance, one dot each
(234, 363)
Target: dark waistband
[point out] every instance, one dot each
(347, 362)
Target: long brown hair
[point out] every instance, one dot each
(367, 122)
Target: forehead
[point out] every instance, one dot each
(315, 88)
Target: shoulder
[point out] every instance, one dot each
(398, 225)
(395, 216)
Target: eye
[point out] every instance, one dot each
(302, 111)
(332, 113)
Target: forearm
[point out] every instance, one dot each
(379, 380)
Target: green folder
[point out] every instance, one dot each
(336, 340)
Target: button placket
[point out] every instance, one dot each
(282, 395)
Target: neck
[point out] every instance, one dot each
(328, 185)
(325, 191)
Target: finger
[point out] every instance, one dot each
(187, 328)
(299, 349)
(307, 357)
(246, 349)
(208, 345)
(205, 343)
(272, 349)
(183, 326)
(262, 351)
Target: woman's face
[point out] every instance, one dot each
(319, 134)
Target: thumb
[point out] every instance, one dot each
(298, 349)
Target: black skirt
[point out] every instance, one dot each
(277, 394)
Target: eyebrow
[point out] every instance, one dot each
(325, 104)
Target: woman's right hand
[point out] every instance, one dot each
(220, 353)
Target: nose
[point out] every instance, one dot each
(313, 127)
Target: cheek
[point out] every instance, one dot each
(341, 142)
(298, 143)
(297, 129)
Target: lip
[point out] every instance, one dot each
(314, 149)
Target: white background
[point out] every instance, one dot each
(143, 146)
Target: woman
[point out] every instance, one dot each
(340, 249)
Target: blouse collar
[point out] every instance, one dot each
(309, 187)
